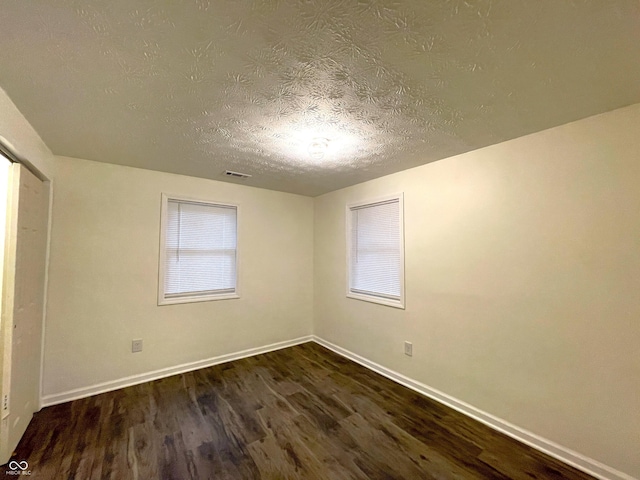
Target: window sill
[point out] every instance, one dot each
(381, 301)
(202, 298)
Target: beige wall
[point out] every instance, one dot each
(522, 283)
(23, 138)
(104, 271)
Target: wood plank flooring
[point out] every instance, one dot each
(298, 413)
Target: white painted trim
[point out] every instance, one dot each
(373, 298)
(46, 293)
(13, 156)
(103, 387)
(198, 298)
(566, 455)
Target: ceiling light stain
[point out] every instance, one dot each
(318, 147)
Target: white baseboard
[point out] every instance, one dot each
(84, 392)
(566, 455)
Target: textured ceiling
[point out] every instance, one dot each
(198, 87)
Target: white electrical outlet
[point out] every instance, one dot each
(136, 346)
(408, 349)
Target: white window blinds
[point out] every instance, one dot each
(200, 249)
(376, 250)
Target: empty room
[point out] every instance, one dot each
(315, 239)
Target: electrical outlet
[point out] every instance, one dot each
(408, 349)
(136, 346)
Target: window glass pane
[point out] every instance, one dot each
(376, 249)
(200, 249)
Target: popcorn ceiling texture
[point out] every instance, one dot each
(203, 86)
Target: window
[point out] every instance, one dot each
(375, 251)
(198, 251)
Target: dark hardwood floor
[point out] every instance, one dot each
(299, 413)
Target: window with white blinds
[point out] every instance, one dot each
(199, 251)
(376, 251)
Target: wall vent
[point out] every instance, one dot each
(229, 173)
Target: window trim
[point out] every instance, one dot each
(362, 295)
(192, 298)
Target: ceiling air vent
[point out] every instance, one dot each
(229, 173)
